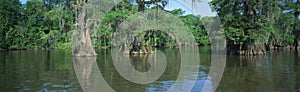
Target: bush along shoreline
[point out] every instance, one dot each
(250, 27)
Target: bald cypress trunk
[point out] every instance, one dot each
(84, 45)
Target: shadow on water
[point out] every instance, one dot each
(297, 68)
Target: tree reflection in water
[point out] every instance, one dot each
(140, 62)
(89, 76)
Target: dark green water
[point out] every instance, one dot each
(275, 72)
(42, 71)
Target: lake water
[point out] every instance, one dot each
(44, 71)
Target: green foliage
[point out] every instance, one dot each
(119, 14)
(177, 12)
(196, 27)
(33, 25)
(9, 16)
(50, 23)
(102, 36)
(268, 21)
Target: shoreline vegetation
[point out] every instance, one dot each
(250, 27)
(174, 47)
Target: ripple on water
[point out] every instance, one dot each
(26, 88)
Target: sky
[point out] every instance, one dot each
(201, 8)
(23, 1)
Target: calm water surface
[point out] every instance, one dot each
(42, 71)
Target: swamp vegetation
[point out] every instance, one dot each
(251, 27)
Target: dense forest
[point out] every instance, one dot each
(254, 26)
(251, 26)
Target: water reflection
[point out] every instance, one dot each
(89, 76)
(140, 62)
(276, 71)
(58, 71)
(164, 82)
(36, 71)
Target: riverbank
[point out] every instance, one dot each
(16, 49)
(229, 52)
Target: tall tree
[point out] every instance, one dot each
(247, 23)
(296, 23)
(9, 16)
(84, 46)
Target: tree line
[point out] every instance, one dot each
(250, 26)
(51, 23)
(254, 26)
(36, 24)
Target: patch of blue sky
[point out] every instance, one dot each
(201, 7)
(23, 1)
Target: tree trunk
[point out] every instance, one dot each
(84, 45)
(295, 26)
(250, 48)
(254, 48)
